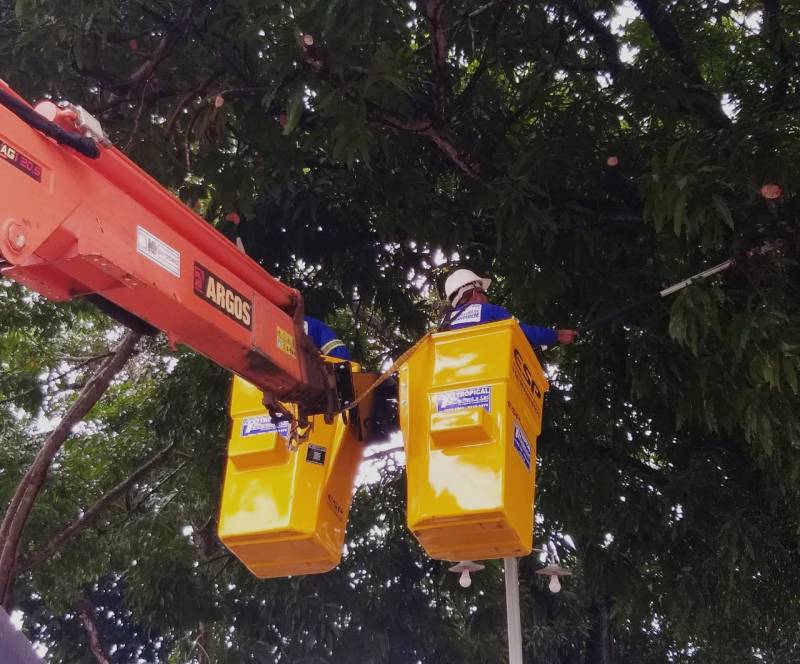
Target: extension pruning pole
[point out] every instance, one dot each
(674, 288)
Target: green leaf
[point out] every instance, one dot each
(672, 154)
(22, 9)
(722, 208)
(294, 112)
(679, 212)
(790, 373)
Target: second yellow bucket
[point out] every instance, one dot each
(285, 513)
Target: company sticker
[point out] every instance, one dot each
(316, 454)
(522, 446)
(18, 160)
(222, 297)
(158, 251)
(253, 426)
(469, 397)
(471, 314)
(286, 342)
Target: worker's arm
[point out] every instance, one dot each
(540, 336)
(537, 336)
(474, 314)
(338, 350)
(546, 336)
(326, 340)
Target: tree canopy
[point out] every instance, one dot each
(585, 154)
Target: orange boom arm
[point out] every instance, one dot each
(73, 226)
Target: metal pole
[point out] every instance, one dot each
(512, 611)
(705, 274)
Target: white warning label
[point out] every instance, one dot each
(470, 314)
(158, 251)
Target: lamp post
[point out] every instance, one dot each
(511, 567)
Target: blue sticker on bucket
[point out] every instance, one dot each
(522, 446)
(469, 397)
(252, 426)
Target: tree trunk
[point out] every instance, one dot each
(22, 502)
(600, 650)
(86, 610)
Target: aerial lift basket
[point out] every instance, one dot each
(283, 512)
(470, 411)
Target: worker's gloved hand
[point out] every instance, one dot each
(566, 337)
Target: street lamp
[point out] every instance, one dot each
(465, 567)
(554, 571)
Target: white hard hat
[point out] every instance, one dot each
(460, 282)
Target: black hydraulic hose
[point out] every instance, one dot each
(86, 146)
(705, 274)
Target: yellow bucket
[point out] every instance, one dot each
(470, 412)
(285, 513)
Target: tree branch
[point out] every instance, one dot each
(484, 7)
(376, 325)
(382, 454)
(30, 486)
(171, 37)
(201, 644)
(117, 101)
(122, 91)
(198, 91)
(86, 610)
(466, 17)
(433, 12)
(59, 376)
(603, 37)
(446, 142)
(707, 104)
(68, 532)
(149, 66)
(443, 138)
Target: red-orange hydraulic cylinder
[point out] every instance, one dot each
(71, 226)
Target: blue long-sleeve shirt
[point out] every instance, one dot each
(325, 339)
(475, 314)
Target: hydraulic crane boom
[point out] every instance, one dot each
(74, 226)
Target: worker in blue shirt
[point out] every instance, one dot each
(466, 292)
(325, 339)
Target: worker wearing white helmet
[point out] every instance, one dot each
(466, 292)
